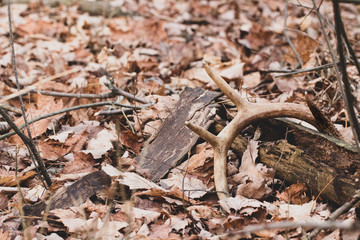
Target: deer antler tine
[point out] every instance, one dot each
(224, 87)
(220, 155)
(203, 133)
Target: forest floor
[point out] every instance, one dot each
(149, 52)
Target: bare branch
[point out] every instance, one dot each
(293, 224)
(344, 208)
(34, 154)
(30, 145)
(72, 109)
(347, 97)
(300, 63)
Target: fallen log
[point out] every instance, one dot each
(328, 166)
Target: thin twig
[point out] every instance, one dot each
(10, 108)
(277, 70)
(34, 154)
(333, 29)
(347, 95)
(29, 144)
(344, 208)
(289, 72)
(128, 121)
(75, 95)
(348, 44)
(300, 63)
(121, 92)
(346, 100)
(72, 109)
(115, 111)
(298, 71)
(294, 224)
(16, 176)
(300, 5)
(4, 127)
(38, 83)
(350, 1)
(114, 92)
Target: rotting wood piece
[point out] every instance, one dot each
(247, 112)
(335, 153)
(173, 140)
(295, 166)
(76, 193)
(322, 120)
(305, 160)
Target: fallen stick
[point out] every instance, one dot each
(38, 83)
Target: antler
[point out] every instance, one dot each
(247, 112)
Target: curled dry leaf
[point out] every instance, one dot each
(135, 181)
(177, 223)
(199, 164)
(294, 194)
(231, 71)
(149, 216)
(44, 105)
(154, 115)
(193, 187)
(252, 180)
(251, 80)
(5, 235)
(101, 143)
(131, 140)
(11, 180)
(239, 203)
(202, 212)
(81, 163)
(310, 211)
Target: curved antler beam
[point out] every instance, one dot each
(247, 113)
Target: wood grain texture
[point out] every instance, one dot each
(76, 193)
(174, 140)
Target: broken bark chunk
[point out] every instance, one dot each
(76, 193)
(174, 139)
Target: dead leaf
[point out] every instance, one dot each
(252, 181)
(294, 194)
(44, 105)
(305, 212)
(193, 187)
(134, 181)
(98, 145)
(251, 80)
(177, 223)
(82, 163)
(239, 203)
(5, 235)
(131, 140)
(10, 181)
